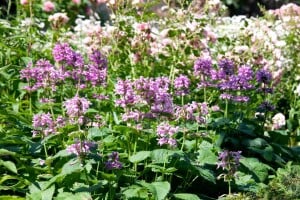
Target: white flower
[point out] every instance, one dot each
(278, 121)
(297, 91)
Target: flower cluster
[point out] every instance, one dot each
(192, 112)
(152, 93)
(278, 121)
(71, 67)
(231, 80)
(80, 148)
(113, 161)
(76, 108)
(43, 123)
(230, 161)
(58, 20)
(181, 85)
(43, 75)
(165, 133)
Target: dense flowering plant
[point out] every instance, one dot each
(146, 107)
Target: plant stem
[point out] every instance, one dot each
(226, 108)
(45, 149)
(229, 187)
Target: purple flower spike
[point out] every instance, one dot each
(226, 66)
(263, 76)
(113, 161)
(80, 148)
(181, 85)
(203, 66)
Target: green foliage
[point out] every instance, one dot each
(118, 158)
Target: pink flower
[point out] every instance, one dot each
(77, 2)
(278, 121)
(24, 2)
(48, 6)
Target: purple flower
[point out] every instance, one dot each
(131, 115)
(43, 123)
(165, 133)
(76, 107)
(226, 96)
(98, 59)
(96, 72)
(202, 66)
(124, 88)
(42, 75)
(240, 98)
(263, 76)
(192, 111)
(62, 52)
(229, 160)
(181, 85)
(226, 66)
(113, 161)
(265, 107)
(80, 148)
(245, 72)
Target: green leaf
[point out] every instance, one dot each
(257, 169)
(8, 197)
(139, 156)
(4, 152)
(257, 142)
(160, 155)
(48, 194)
(136, 191)
(159, 190)
(72, 166)
(186, 196)
(162, 189)
(95, 132)
(26, 60)
(206, 174)
(76, 196)
(206, 156)
(247, 129)
(9, 165)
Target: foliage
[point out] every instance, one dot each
(141, 108)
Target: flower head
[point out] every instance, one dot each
(48, 6)
(181, 85)
(76, 107)
(113, 161)
(202, 66)
(165, 133)
(80, 148)
(278, 121)
(263, 76)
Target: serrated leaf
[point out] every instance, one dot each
(139, 156)
(206, 156)
(186, 196)
(206, 174)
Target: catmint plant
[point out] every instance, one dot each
(229, 161)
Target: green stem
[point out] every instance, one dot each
(229, 187)
(45, 149)
(183, 141)
(204, 93)
(226, 109)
